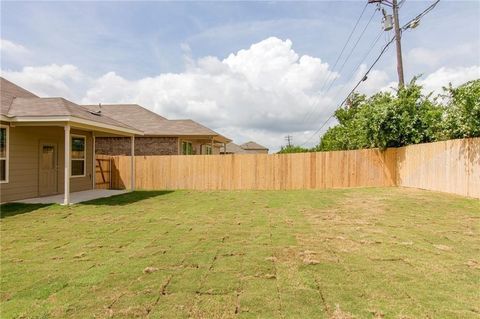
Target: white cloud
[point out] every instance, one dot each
(49, 80)
(422, 57)
(264, 90)
(13, 52)
(443, 76)
(260, 93)
(11, 48)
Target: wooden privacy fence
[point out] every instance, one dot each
(451, 166)
(258, 171)
(103, 167)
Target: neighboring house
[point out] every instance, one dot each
(232, 148)
(161, 136)
(46, 144)
(245, 148)
(254, 148)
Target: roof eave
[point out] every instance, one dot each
(74, 120)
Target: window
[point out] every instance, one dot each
(187, 148)
(78, 156)
(208, 149)
(4, 154)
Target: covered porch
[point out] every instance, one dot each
(54, 160)
(69, 197)
(201, 145)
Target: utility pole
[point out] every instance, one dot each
(398, 34)
(398, 40)
(288, 138)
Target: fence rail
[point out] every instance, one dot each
(450, 166)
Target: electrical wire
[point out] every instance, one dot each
(354, 88)
(403, 28)
(356, 43)
(340, 55)
(343, 65)
(366, 55)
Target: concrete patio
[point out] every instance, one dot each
(75, 198)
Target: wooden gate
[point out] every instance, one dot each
(103, 169)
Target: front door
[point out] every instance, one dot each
(47, 184)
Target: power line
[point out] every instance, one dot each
(289, 139)
(344, 46)
(371, 47)
(327, 78)
(410, 24)
(348, 56)
(354, 88)
(356, 43)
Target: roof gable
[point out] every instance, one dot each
(56, 107)
(251, 145)
(8, 92)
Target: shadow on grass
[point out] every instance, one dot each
(125, 199)
(12, 209)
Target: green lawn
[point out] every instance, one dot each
(361, 253)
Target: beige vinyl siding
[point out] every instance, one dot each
(24, 161)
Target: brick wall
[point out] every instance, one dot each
(143, 145)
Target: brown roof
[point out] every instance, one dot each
(233, 148)
(57, 106)
(18, 102)
(9, 91)
(130, 114)
(252, 146)
(153, 124)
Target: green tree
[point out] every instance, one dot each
(462, 114)
(386, 120)
(350, 132)
(292, 149)
(409, 117)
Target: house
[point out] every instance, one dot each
(47, 144)
(232, 148)
(161, 136)
(246, 148)
(254, 148)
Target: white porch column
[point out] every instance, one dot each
(94, 165)
(66, 197)
(132, 168)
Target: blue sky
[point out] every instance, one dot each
(141, 40)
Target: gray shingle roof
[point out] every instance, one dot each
(252, 146)
(9, 91)
(18, 102)
(57, 106)
(151, 123)
(131, 114)
(234, 148)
